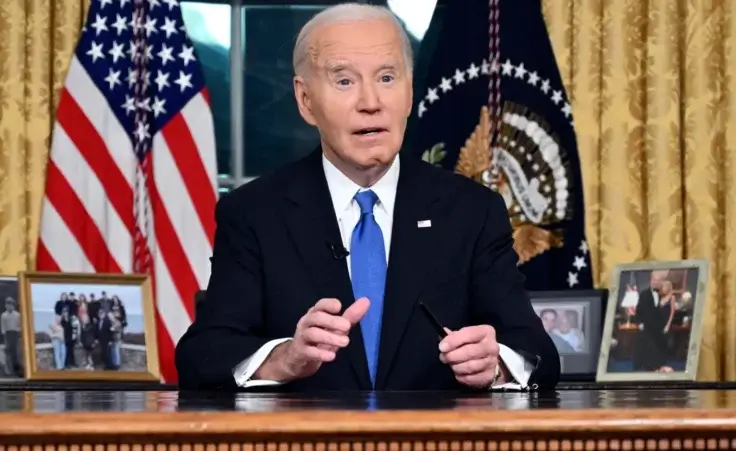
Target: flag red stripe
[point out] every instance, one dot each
(80, 224)
(94, 150)
(44, 260)
(186, 157)
(166, 351)
(172, 252)
(166, 347)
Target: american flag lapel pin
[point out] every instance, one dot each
(425, 224)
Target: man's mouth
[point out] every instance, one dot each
(369, 131)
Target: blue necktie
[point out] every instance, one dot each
(368, 271)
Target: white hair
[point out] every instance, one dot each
(345, 12)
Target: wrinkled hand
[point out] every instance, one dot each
(319, 334)
(472, 353)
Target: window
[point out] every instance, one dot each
(209, 27)
(245, 49)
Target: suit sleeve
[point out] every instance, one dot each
(500, 299)
(226, 330)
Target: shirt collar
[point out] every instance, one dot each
(342, 189)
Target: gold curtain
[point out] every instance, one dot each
(654, 98)
(37, 39)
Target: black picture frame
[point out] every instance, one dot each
(579, 364)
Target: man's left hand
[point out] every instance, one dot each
(472, 353)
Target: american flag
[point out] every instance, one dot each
(132, 179)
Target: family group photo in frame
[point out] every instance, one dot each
(653, 322)
(88, 326)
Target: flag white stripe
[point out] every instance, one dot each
(89, 190)
(179, 208)
(90, 100)
(170, 307)
(198, 117)
(145, 219)
(61, 243)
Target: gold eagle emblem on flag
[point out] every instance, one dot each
(527, 168)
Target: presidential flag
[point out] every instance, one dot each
(131, 182)
(495, 110)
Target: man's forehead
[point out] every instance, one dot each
(343, 44)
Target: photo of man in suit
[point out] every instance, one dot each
(318, 267)
(653, 316)
(652, 329)
(550, 318)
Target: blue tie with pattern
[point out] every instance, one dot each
(368, 272)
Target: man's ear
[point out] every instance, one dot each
(303, 99)
(411, 96)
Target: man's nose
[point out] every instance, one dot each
(369, 101)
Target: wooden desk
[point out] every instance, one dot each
(566, 420)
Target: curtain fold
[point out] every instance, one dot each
(655, 114)
(37, 39)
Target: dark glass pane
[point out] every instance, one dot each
(208, 26)
(274, 131)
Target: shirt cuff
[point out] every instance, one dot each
(244, 370)
(519, 369)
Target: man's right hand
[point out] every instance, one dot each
(319, 334)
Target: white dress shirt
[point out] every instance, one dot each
(347, 210)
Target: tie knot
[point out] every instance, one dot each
(366, 200)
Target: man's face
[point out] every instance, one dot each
(564, 326)
(358, 91)
(548, 321)
(665, 287)
(655, 280)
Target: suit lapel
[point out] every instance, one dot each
(409, 255)
(312, 224)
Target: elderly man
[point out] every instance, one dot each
(651, 350)
(549, 322)
(318, 268)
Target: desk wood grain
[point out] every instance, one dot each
(466, 430)
(663, 419)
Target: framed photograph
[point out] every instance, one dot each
(11, 336)
(574, 321)
(88, 327)
(653, 322)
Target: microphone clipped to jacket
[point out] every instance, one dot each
(338, 251)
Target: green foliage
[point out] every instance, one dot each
(435, 155)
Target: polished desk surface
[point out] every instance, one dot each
(132, 412)
(596, 418)
(49, 402)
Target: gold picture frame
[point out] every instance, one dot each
(643, 297)
(90, 341)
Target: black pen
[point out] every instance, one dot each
(433, 319)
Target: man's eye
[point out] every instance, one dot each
(387, 78)
(343, 82)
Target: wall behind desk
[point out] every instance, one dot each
(655, 106)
